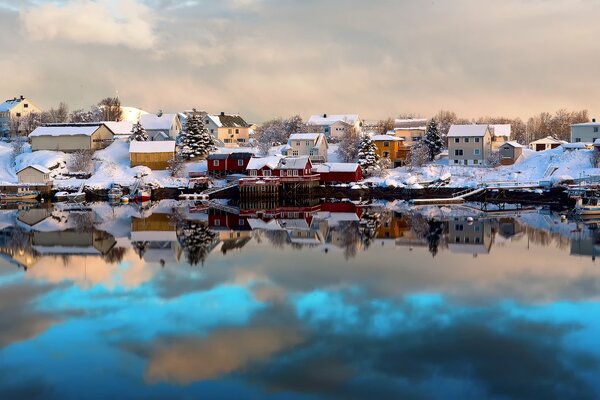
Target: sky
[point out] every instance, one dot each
(270, 58)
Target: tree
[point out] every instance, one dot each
(16, 147)
(176, 165)
(56, 115)
(493, 159)
(277, 131)
(348, 147)
(433, 140)
(419, 155)
(196, 142)
(81, 161)
(138, 133)
(383, 126)
(367, 155)
(195, 239)
(94, 114)
(111, 109)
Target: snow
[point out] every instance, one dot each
(547, 140)
(167, 146)
(303, 136)
(154, 122)
(587, 124)
(268, 161)
(390, 138)
(514, 144)
(65, 130)
(501, 130)
(43, 170)
(473, 130)
(293, 162)
(336, 167)
(120, 127)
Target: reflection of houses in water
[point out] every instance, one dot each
(15, 248)
(471, 237)
(586, 243)
(396, 228)
(510, 228)
(73, 242)
(232, 229)
(34, 216)
(155, 238)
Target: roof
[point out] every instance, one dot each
(578, 145)
(259, 162)
(228, 120)
(43, 170)
(378, 138)
(154, 122)
(547, 139)
(165, 146)
(467, 130)
(293, 162)
(513, 144)
(409, 128)
(10, 103)
(84, 129)
(217, 156)
(236, 155)
(119, 127)
(329, 119)
(587, 124)
(409, 122)
(336, 167)
(304, 136)
(501, 129)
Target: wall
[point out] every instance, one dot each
(156, 161)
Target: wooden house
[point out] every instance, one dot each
(71, 137)
(339, 172)
(154, 155)
(510, 152)
(34, 174)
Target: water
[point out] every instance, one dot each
(323, 301)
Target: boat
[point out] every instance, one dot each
(142, 195)
(61, 196)
(115, 193)
(587, 206)
(21, 194)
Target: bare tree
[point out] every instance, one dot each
(111, 109)
(94, 114)
(419, 155)
(16, 147)
(277, 131)
(384, 125)
(493, 159)
(81, 161)
(56, 115)
(176, 165)
(349, 144)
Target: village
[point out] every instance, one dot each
(126, 154)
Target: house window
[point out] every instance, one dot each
(459, 227)
(294, 152)
(386, 144)
(476, 152)
(212, 131)
(466, 140)
(475, 162)
(217, 222)
(267, 172)
(18, 114)
(458, 152)
(240, 163)
(307, 143)
(577, 140)
(297, 143)
(206, 122)
(476, 140)
(295, 172)
(477, 240)
(215, 163)
(26, 105)
(455, 161)
(595, 129)
(252, 172)
(229, 131)
(386, 153)
(237, 131)
(456, 140)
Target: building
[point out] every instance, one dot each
(469, 144)
(313, 145)
(231, 129)
(154, 155)
(161, 127)
(263, 166)
(11, 111)
(34, 174)
(132, 114)
(226, 164)
(334, 126)
(411, 136)
(392, 147)
(470, 237)
(339, 172)
(410, 122)
(500, 135)
(546, 143)
(121, 129)
(71, 137)
(510, 152)
(586, 132)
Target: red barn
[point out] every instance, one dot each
(339, 172)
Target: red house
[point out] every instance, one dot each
(263, 166)
(225, 164)
(217, 164)
(339, 172)
(294, 166)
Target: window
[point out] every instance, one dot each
(466, 140)
(307, 143)
(26, 105)
(476, 140)
(386, 144)
(206, 122)
(240, 163)
(230, 131)
(237, 131)
(458, 152)
(475, 162)
(217, 222)
(295, 172)
(455, 161)
(577, 140)
(476, 152)
(467, 239)
(295, 152)
(252, 172)
(297, 143)
(215, 163)
(456, 140)
(212, 131)
(386, 153)
(459, 227)
(18, 114)
(267, 172)
(477, 240)
(595, 129)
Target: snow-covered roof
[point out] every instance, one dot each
(293, 162)
(119, 127)
(513, 143)
(336, 167)
(40, 168)
(593, 123)
(467, 130)
(501, 130)
(597, 142)
(154, 122)
(304, 136)
(329, 119)
(574, 146)
(165, 146)
(66, 130)
(409, 122)
(547, 140)
(259, 162)
(377, 138)
(410, 128)
(132, 114)
(7, 105)
(228, 120)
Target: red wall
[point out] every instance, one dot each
(344, 177)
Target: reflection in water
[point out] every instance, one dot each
(294, 301)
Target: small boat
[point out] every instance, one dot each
(142, 195)
(587, 206)
(21, 194)
(61, 196)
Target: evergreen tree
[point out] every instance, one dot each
(196, 141)
(433, 140)
(367, 155)
(138, 133)
(196, 240)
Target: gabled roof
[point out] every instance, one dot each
(7, 105)
(83, 129)
(228, 120)
(154, 122)
(409, 122)
(547, 139)
(587, 124)
(468, 130)
(166, 146)
(329, 119)
(217, 156)
(501, 130)
(43, 170)
(336, 167)
(260, 162)
(303, 136)
(119, 127)
(391, 138)
(513, 144)
(293, 162)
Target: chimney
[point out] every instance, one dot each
(222, 113)
(22, 97)
(160, 113)
(593, 119)
(324, 115)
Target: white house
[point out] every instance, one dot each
(34, 174)
(13, 110)
(313, 145)
(162, 126)
(469, 144)
(546, 143)
(121, 129)
(586, 132)
(335, 125)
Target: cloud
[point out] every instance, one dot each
(106, 22)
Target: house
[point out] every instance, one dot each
(132, 114)
(154, 155)
(226, 164)
(410, 122)
(469, 144)
(71, 137)
(500, 134)
(546, 143)
(470, 237)
(34, 174)
(160, 127)
(586, 132)
(392, 147)
(334, 126)
(339, 172)
(231, 129)
(121, 129)
(510, 152)
(294, 166)
(263, 166)
(411, 135)
(13, 110)
(217, 164)
(313, 145)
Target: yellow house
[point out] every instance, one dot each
(411, 136)
(231, 129)
(392, 147)
(154, 155)
(71, 137)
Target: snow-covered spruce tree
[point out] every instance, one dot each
(196, 142)
(433, 140)
(367, 155)
(196, 240)
(138, 133)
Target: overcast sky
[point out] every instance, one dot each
(268, 58)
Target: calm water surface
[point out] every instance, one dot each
(326, 301)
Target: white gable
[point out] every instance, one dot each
(154, 122)
(467, 130)
(65, 130)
